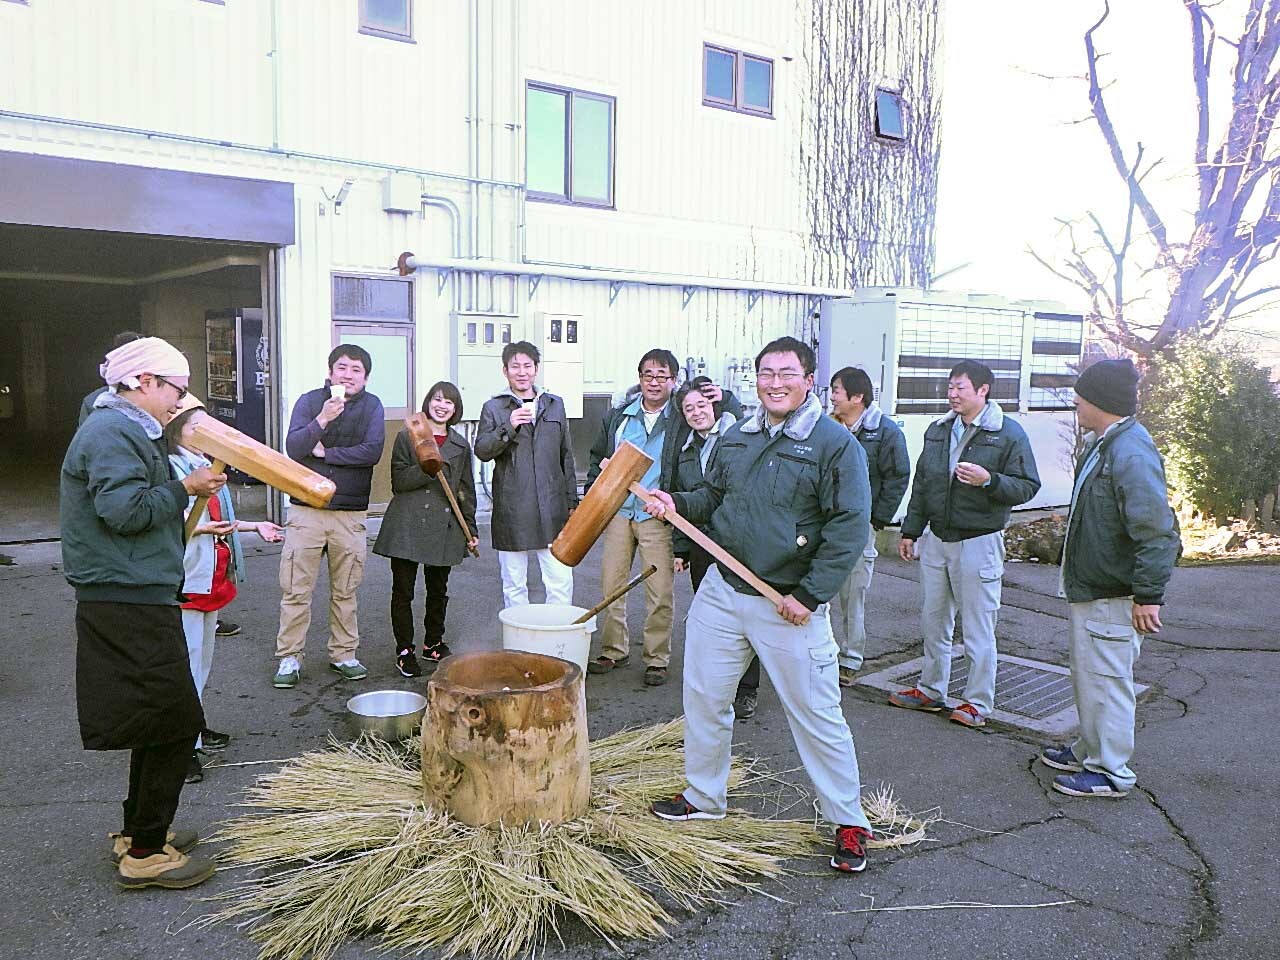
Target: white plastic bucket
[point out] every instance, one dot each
(548, 628)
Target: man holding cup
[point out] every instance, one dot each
(976, 466)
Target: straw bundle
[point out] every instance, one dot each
(344, 844)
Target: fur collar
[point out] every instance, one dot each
(991, 418)
(718, 428)
(149, 424)
(870, 419)
(798, 425)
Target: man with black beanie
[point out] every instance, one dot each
(1122, 541)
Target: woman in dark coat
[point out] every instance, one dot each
(419, 528)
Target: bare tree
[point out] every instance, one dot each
(1212, 273)
(870, 201)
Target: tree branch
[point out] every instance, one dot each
(1100, 112)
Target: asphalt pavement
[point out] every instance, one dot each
(1183, 868)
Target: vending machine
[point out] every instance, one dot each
(238, 366)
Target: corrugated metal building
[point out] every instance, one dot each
(183, 166)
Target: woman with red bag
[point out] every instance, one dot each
(213, 564)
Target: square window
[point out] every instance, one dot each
(732, 80)
(720, 68)
(890, 121)
(757, 84)
(569, 145)
(392, 19)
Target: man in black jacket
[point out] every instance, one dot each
(1122, 543)
(975, 467)
(525, 432)
(338, 431)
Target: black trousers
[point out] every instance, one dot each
(156, 777)
(699, 563)
(404, 574)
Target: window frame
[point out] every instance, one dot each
(567, 198)
(405, 327)
(370, 30)
(737, 104)
(875, 114)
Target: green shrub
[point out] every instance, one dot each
(1215, 416)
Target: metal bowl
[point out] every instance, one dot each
(390, 715)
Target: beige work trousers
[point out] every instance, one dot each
(622, 537)
(310, 535)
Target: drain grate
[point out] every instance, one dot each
(1029, 693)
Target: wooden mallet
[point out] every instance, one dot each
(226, 446)
(618, 479)
(427, 452)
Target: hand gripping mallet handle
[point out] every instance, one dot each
(713, 548)
(193, 518)
(429, 458)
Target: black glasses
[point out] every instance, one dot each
(182, 391)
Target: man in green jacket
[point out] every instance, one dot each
(1122, 543)
(787, 493)
(853, 404)
(121, 525)
(976, 466)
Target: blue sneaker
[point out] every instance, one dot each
(1086, 783)
(1060, 758)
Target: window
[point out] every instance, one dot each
(568, 145)
(392, 19)
(732, 80)
(377, 314)
(891, 121)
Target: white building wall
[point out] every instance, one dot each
(307, 99)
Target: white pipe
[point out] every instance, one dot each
(498, 267)
(252, 148)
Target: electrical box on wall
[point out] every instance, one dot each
(401, 193)
(476, 345)
(559, 337)
(853, 333)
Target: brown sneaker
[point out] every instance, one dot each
(183, 841)
(605, 664)
(168, 868)
(655, 676)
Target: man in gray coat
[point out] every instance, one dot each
(1122, 543)
(525, 432)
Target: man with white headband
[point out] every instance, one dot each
(121, 520)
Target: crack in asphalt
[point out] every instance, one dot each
(1205, 922)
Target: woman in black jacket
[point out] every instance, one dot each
(420, 528)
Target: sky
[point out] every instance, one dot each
(1013, 160)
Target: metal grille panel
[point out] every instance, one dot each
(1029, 693)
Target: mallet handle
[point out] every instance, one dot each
(713, 548)
(457, 512)
(633, 582)
(193, 518)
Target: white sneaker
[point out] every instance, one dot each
(287, 674)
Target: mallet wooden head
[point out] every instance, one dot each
(235, 449)
(606, 496)
(424, 443)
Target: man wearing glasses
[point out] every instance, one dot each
(647, 421)
(121, 522)
(786, 492)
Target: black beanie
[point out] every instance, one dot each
(1111, 385)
